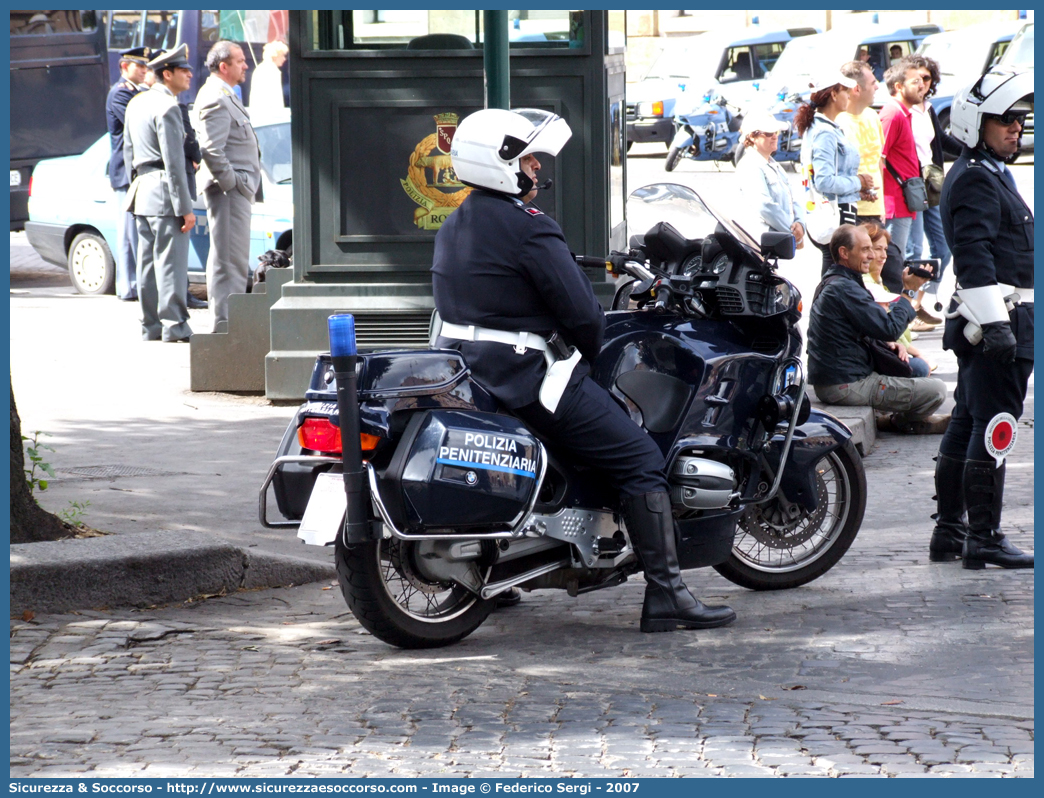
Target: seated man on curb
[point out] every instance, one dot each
(839, 364)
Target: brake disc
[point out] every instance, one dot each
(780, 524)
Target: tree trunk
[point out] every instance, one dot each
(29, 522)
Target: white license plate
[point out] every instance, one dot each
(16, 177)
(324, 515)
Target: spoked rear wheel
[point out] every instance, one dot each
(781, 545)
(408, 593)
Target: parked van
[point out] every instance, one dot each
(963, 56)
(803, 58)
(728, 61)
(1019, 55)
(167, 29)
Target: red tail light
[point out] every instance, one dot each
(320, 435)
(30, 185)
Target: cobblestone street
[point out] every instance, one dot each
(887, 666)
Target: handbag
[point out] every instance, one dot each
(933, 183)
(822, 215)
(886, 361)
(915, 195)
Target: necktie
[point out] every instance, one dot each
(1007, 175)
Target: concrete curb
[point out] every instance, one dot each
(144, 569)
(860, 420)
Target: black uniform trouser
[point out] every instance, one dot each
(984, 389)
(596, 432)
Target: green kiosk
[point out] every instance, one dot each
(375, 99)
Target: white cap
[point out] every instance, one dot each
(831, 77)
(762, 121)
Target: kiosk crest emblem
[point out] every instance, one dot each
(431, 181)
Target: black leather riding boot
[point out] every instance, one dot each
(950, 530)
(986, 544)
(668, 603)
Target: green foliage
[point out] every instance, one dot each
(74, 513)
(32, 453)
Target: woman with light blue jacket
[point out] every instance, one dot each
(828, 157)
(766, 190)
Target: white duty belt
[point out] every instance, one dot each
(555, 381)
(986, 305)
(469, 332)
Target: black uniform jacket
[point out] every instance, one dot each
(989, 229)
(115, 112)
(506, 266)
(842, 313)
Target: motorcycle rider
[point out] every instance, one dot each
(989, 228)
(504, 267)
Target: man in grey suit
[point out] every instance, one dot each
(159, 198)
(230, 176)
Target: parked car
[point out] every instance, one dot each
(725, 62)
(72, 211)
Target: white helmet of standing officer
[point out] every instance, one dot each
(1001, 92)
(488, 146)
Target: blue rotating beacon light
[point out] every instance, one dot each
(345, 357)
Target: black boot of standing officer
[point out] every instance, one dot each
(950, 530)
(986, 544)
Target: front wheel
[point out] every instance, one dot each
(673, 156)
(409, 596)
(781, 545)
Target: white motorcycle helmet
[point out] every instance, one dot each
(1000, 91)
(488, 145)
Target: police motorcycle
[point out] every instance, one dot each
(784, 107)
(464, 502)
(709, 131)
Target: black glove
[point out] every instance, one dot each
(998, 343)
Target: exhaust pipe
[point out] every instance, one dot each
(345, 357)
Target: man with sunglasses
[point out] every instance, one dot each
(989, 229)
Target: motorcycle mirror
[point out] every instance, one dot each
(781, 245)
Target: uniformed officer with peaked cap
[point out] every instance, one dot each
(989, 228)
(133, 65)
(159, 198)
(504, 281)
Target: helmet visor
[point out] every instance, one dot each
(550, 132)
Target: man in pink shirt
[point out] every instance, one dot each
(900, 151)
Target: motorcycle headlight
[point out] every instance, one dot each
(781, 297)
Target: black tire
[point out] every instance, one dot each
(673, 156)
(761, 533)
(91, 265)
(364, 572)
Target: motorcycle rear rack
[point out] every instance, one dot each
(262, 499)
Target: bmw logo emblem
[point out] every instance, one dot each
(471, 477)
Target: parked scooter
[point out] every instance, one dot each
(464, 502)
(784, 108)
(708, 132)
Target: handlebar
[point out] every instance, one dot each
(589, 262)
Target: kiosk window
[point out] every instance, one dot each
(421, 29)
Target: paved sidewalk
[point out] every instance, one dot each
(886, 666)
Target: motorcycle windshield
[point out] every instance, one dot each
(683, 209)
